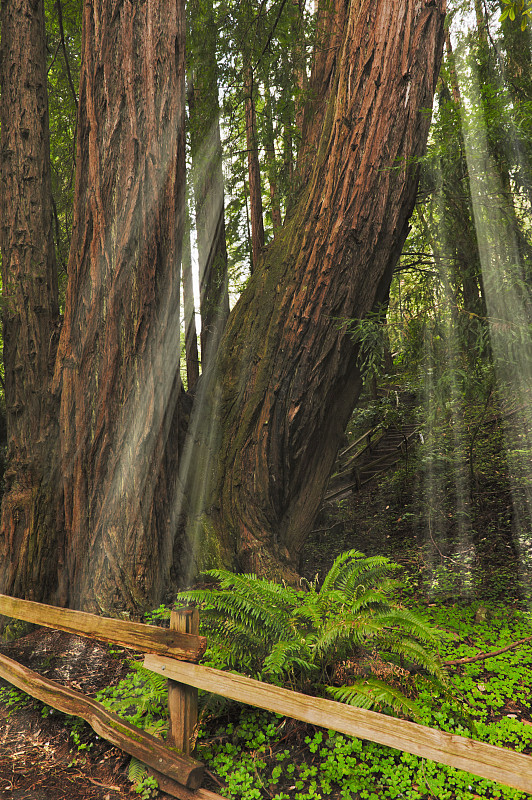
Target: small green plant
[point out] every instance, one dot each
(157, 615)
(78, 728)
(516, 8)
(141, 698)
(316, 636)
(14, 698)
(145, 785)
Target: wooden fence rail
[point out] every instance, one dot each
(148, 749)
(177, 773)
(146, 638)
(180, 775)
(486, 760)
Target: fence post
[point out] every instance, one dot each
(183, 699)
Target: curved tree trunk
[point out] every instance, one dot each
(287, 370)
(118, 360)
(30, 530)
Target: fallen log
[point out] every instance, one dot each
(146, 748)
(458, 662)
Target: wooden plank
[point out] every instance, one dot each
(175, 789)
(146, 638)
(360, 439)
(146, 748)
(182, 699)
(343, 489)
(496, 763)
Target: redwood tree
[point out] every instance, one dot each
(255, 191)
(207, 175)
(287, 369)
(29, 532)
(118, 360)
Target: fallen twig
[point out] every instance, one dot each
(101, 785)
(469, 660)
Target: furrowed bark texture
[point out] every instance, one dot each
(30, 528)
(288, 371)
(255, 192)
(118, 364)
(330, 29)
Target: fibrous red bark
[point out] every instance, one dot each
(118, 361)
(255, 191)
(287, 368)
(30, 530)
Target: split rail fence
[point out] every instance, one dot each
(174, 653)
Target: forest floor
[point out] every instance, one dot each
(44, 758)
(41, 757)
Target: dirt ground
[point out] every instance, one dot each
(38, 758)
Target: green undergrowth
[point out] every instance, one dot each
(256, 755)
(261, 755)
(346, 637)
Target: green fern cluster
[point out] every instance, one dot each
(140, 698)
(312, 635)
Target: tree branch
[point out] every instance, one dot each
(459, 661)
(63, 46)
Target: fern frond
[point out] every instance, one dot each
(249, 585)
(158, 683)
(261, 605)
(367, 567)
(284, 653)
(410, 623)
(308, 615)
(414, 652)
(368, 600)
(136, 771)
(352, 570)
(336, 570)
(157, 727)
(370, 692)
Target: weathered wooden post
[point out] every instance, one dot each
(183, 699)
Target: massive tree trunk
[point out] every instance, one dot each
(118, 360)
(30, 531)
(287, 368)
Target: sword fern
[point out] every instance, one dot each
(312, 636)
